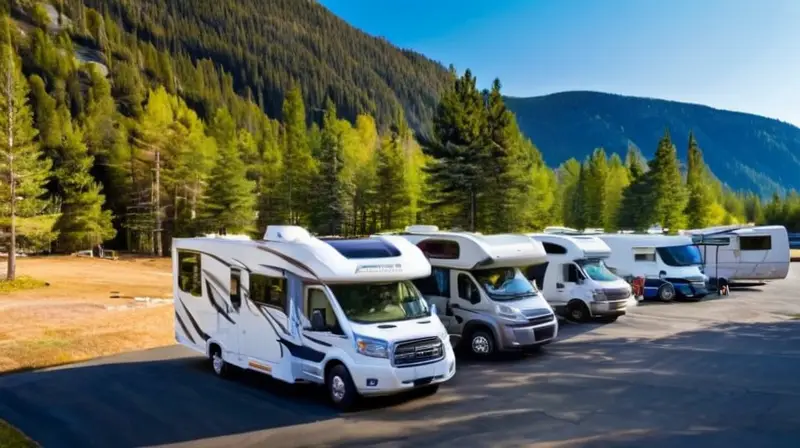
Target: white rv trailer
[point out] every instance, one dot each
(575, 279)
(735, 253)
(484, 300)
(670, 264)
(342, 313)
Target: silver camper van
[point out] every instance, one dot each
(480, 294)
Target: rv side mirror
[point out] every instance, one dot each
(318, 321)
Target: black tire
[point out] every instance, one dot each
(577, 311)
(341, 389)
(481, 344)
(666, 292)
(219, 366)
(608, 319)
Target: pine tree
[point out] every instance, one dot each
(330, 190)
(230, 198)
(297, 161)
(667, 192)
(45, 116)
(617, 181)
(271, 208)
(390, 194)
(83, 223)
(636, 211)
(23, 170)
(698, 207)
(594, 200)
(567, 175)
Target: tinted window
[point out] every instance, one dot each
(318, 301)
(443, 250)
(437, 284)
(536, 273)
(755, 242)
(571, 273)
(189, 279)
(466, 288)
(681, 255)
(270, 291)
(364, 248)
(551, 248)
(644, 257)
(236, 288)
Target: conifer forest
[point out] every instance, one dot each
(126, 131)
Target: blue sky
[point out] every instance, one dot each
(732, 54)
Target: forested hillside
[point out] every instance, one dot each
(104, 138)
(268, 45)
(747, 152)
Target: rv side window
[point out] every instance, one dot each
(552, 248)
(467, 289)
(437, 284)
(536, 273)
(571, 273)
(270, 291)
(189, 273)
(316, 300)
(443, 250)
(755, 242)
(236, 288)
(645, 257)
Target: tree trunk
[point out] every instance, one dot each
(12, 181)
(159, 251)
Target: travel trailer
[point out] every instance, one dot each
(484, 300)
(670, 265)
(575, 279)
(343, 313)
(736, 253)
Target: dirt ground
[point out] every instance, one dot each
(76, 318)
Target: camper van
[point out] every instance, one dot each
(342, 313)
(575, 279)
(670, 264)
(484, 300)
(737, 253)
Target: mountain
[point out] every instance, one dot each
(745, 151)
(267, 45)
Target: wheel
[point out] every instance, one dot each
(609, 319)
(578, 311)
(341, 388)
(218, 364)
(666, 292)
(481, 343)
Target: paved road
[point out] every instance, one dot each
(724, 372)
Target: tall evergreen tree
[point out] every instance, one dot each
(330, 189)
(567, 176)
(390, 191)
(666, 186)
(698, 207)
(594, 199)
(23, 170)
(230, 202)
(636, 212)
(297, 161)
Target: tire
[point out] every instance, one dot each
(218, 364)
(577, 311)
(341, 389)
(481, 343)
(666, 292)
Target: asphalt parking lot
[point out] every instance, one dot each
(722, 372)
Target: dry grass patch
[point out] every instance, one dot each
(69, 321)
(795, 254)
(20, 284)
(10, 437)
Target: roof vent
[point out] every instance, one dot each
(287, 234)
(422, 229)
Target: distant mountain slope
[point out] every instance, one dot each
(265, 45)
(745, 151)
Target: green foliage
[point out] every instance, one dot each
(298, 164)
(668, 195)
(21, 283)
(35, 234)
(332, 189)
(698, 207)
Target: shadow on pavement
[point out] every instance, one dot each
(730, 385)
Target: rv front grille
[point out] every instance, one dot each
(617, 294)
(540, 319)
(420, 351)
(544, 333)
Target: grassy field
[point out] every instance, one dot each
(74, 317)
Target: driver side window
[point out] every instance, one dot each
(316, 300)
(571, 273)
(467, 289)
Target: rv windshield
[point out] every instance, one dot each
(688, 255)
(597, 270)
(504, 283)
(369, 303)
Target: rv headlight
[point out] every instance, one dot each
(599, 296)
(375, 348)
(509, 312)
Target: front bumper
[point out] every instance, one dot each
(371, 380)
(519, 337)
(691, 290)
(610, 308)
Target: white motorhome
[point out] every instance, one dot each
(575, 279)
(670, 264)
(484, 300)
(342, 313)
(735, 253)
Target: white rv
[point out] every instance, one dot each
(484, 300)
(670, 264)
(733, 253)
(575, 279)
(342, 313)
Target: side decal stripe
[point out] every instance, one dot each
(194, 323)
(215, 304)
(183, 326)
